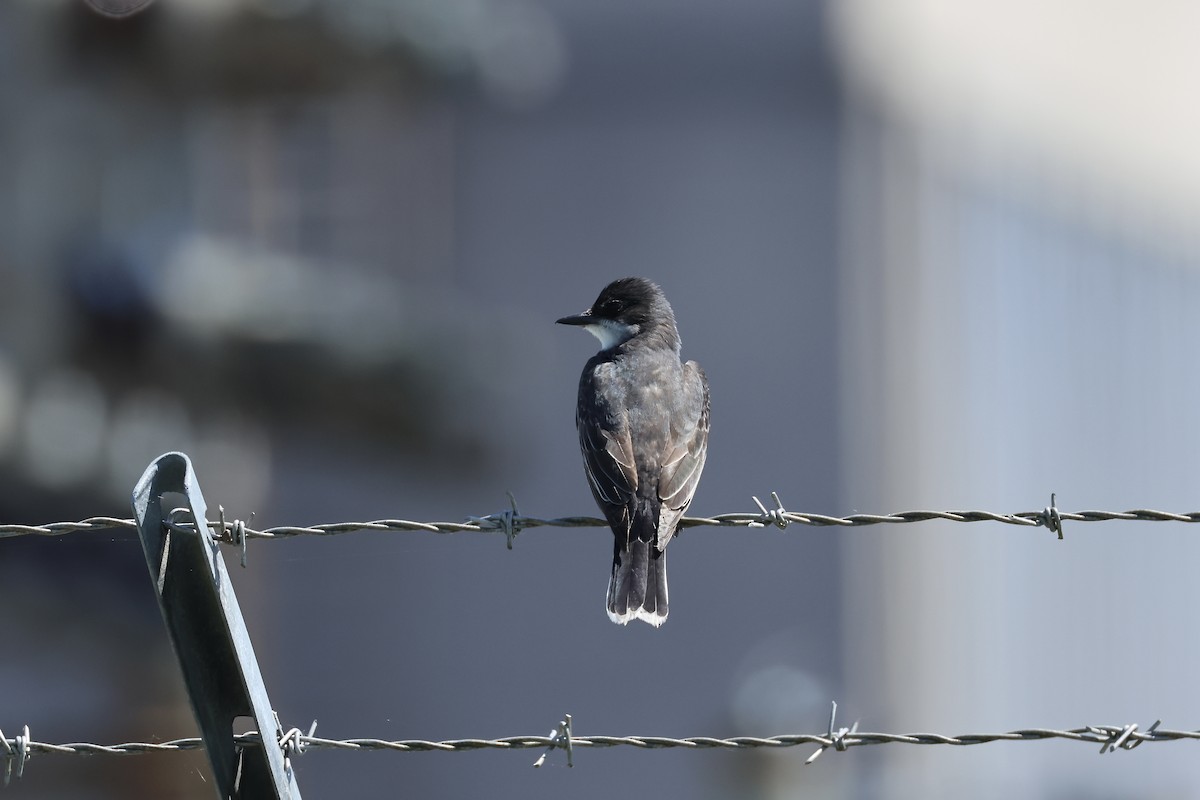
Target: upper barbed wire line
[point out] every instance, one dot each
(492, 523)
(63, 528)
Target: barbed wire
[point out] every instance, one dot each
(511, 522)
(17, 750)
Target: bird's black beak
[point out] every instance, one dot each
(585, 318)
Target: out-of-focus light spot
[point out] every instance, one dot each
(214, 286)
(118, 8)
(283, 9)
(776, 697)
(196, 10)
(434, 29)
(64, 429)
(514, 49)
(232, 457)
(145, 424)
(367, 24)
(10, 404)
(520, 54)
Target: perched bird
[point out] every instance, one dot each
(642, 417)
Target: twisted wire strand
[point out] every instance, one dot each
(496, 523)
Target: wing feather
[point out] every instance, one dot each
(607, 449)
(680, 472)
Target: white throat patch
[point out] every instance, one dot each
(611, 333)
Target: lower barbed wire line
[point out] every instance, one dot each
(1127, 737)
(496, 523)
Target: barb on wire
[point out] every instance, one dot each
(1051, 517)
(837, 738)
(294, 742)
(16, 753)
(234, 534)
(1123, 738)
(777, 515)
(561, 737)
(507, 521)
(510, 522)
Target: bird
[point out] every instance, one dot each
(642, 417)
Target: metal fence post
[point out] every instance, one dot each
(209, 636)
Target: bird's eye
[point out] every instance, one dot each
(610, 307)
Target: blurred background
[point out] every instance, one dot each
(930, 254)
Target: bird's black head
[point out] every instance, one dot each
(626, 308)
(631, 301)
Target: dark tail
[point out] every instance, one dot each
(638, 586)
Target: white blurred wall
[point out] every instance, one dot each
(1019, 277)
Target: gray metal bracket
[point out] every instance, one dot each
(209, 636)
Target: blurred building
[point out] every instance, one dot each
(1019, 266)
